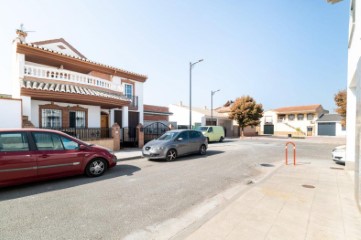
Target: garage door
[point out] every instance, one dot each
(327, 129)
(268, 129)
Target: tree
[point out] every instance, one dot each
(246, 112)
(341, 103)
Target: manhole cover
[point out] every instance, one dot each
(337, 168)
(267, 165)
(308, 186)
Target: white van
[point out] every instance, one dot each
(212, 133)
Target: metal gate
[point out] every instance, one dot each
(268, 129)
(327, 129)
(128, 137)
(154, 130)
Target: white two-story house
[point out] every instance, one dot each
(61, 89)
(290, 121)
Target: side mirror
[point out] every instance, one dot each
(83, 147)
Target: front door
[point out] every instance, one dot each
(72, 120)
(104, 120)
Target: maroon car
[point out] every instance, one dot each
(37, 154)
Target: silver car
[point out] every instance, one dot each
(175, 143)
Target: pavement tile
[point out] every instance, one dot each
(281, 208)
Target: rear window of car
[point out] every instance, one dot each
(13, 142)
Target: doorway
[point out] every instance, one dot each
(104, 124)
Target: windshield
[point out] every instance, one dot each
(167, 136)
(202, 129)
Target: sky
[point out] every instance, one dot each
(280, 52)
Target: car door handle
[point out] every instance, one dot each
(44, 155)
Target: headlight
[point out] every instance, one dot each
(159, 148)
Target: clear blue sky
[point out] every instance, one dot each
(281, 52)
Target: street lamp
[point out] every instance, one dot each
(190, 91)
(212, 93)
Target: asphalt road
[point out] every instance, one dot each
(139, 199)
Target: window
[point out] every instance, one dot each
(48, 141)
(69, 144)
(128, 89)
(51, 118)
(300, 116)
(210, 129)
(291, 117)
(194, 134)
(310, 116)
(183, 135)
(281, 118)
(10, 142)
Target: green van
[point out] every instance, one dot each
(212, 133)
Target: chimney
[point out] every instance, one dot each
(181, 103)
(21, 34)
(205, 107)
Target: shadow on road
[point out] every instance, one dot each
(191, 157)
(29, 189)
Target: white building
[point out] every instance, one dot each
(353, 121)
(204, 116)
(295, 120)
(60, 88)
(330, 125)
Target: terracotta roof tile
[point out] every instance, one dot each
(307, 108)
(68, 88)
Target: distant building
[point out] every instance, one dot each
(204, 117)
(330, 125)
(294, 120)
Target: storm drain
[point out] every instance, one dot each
(267, 165)
(308, 186)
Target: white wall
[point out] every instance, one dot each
(339, 131)
(139, 92)
(181, 115)
(93, 112)
(354, 89)
(54, 46)
(11, 108)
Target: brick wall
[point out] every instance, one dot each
(149, 117)
(155, 117)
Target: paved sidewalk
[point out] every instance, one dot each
(281, 208)
(128, 154)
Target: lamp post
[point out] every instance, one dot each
(212, 93)
(190, 91)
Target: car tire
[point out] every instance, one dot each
(221, 139)
(202, 149)
(171, 155)
(96, 167)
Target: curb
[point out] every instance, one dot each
(129, 158)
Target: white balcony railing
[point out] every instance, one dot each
(68, 76)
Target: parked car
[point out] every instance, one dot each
(339, 154)
(175, 143)
(213, 133)
(37, 154)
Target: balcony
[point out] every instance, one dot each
(69, 76)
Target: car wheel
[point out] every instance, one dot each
(221, 139)
(203, 150)
(171, 155)
(96, 167)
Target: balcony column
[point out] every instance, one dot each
(125, 117)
